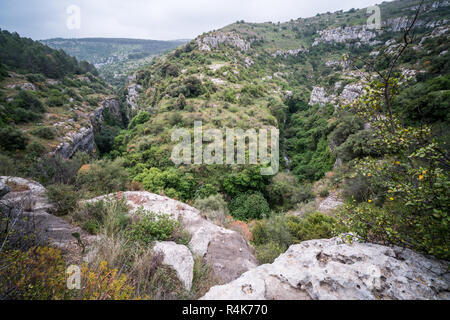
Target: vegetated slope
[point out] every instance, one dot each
(113, 57)
(50, 103)
(298, 76)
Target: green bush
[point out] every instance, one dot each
(284, 191)
(28, 101)
(55, 169)
(214, 206)
(155, 227)
(313, 226)
(105, 138)
(12, 139)
(103, 177)
(204, 191)
(249, 206)
(110, 216)
(55, 101)
(172, 182)
(357, 145)
(65, 198)
(48, 133)
(8, 167)
(273, 236)
(140, 118)
(35, 149)
(268, 252)
(245, 180)
(35, 78)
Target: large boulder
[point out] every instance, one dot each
(179, 258)
(225, 250)
(333, 269)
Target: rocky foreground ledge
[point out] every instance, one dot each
(316, 269)
(225, 250)
(335, 270)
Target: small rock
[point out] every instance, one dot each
(179, 258)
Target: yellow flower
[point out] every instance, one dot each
(420, 177)
(424, 172)
(370, 201)
(392, 199)
(369, 174)
(397, 162)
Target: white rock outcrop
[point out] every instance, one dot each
(179, 258)
(350, 92)
(361, 34)
(213, 40)
(334, 270)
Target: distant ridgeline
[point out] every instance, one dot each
(114, 58)
(100, 50)
(24, 54)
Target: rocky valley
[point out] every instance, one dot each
(357, 211)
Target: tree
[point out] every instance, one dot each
(409, 188)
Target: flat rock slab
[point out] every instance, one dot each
(335, 270)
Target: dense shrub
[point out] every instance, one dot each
(268, 252)
(357, 145)
(142, 117)
(35, 78)
(274, 235)
(28, 101)
(103, 177)
(8, 166)
(35, 149)
(205, 190)
(347, 125)
(55, 101)
(105, 138)
(245, 180)
(284, 191)
(12, 139)
(55, 169)
(248, 206)
(193, 86)
(214, 206)
(172, 182)
(48, 133)
(151, 227)
(313, 226)
(307, 143)
(65, 198)
(109, 216)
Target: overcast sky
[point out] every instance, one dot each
(154, 19)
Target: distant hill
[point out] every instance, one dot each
(113, 56)
(24, 54)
